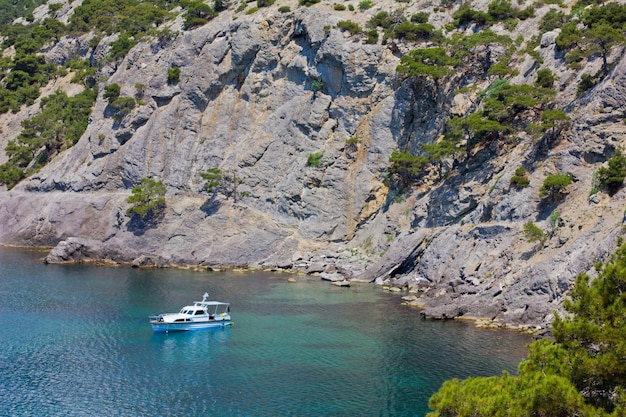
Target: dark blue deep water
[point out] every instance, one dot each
(75, 341)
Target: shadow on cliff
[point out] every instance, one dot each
(138, 225)
(211, 206)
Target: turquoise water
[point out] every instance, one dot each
(75, 341)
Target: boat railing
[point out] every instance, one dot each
(158, 317)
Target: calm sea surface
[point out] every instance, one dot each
(75, 341)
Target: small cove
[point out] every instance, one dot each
(76, 342)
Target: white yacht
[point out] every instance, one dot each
(201, 315)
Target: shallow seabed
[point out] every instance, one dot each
(75, 341)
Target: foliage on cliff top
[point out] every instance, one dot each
(60, 124)
(582, 372)
(12, 9)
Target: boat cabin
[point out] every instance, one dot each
(193, 311)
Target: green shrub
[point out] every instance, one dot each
(264, 3)
(10, 174)
(365, 4)
(520, 179)
(55, 7)
(381, 19)
(501, 10)
(147, 199)
(314, 159)
(612, 176)
(350, 26)
(587, 82)
(112, 92)
(317, 85)
(554, 184)
(173, 75)
(213, 179)
(123, 106)
(406, 167)
(284, 9)
(339, 7)
(526, 13)
(121, 46)
(432, 62)
(500, 69)
(372, 36)
(420, 17)
(545, 78)
(412, 31)
(198, 14)
(465, 15)
(533, 233)
(308, 3)
(553, 19)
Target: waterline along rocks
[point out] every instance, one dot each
(302, 117)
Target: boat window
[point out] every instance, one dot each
(190, 312)
(199, 312)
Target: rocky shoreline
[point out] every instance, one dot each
(259, 94)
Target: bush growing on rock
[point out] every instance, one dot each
(147, 199)
(365, 4)
(314, 159)
(173, 75)
(520, 179)
(112, 92)
(554, 185)
(123, 106)
(198, 14)
(533, 233)
(465, 15)
(350, 26)
(545, 78)
(121, 46)
(612, 176)
(213, 179)
(406, 167)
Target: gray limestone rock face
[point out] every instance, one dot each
(258, 97)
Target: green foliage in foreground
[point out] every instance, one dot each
(147, 199)
(581, 373)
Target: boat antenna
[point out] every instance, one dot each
(205, 296)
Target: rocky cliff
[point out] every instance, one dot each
(258, 94)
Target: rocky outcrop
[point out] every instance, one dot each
(260, 93)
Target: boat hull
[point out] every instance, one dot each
(160, 327)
